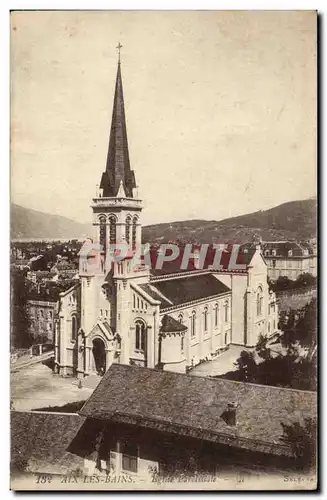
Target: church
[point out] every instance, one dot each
(172, 320)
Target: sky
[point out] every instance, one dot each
(220, 109)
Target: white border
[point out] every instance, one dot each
(5, 6)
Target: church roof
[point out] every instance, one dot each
(154, 294)
(118, 167)
(171, 325)
(196, 406)
(244, 256)
(188, 288)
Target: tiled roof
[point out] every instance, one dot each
(154, 294)
(195, 406)
(283, 247)
(41, 439)
(171, 325)
(186, 289)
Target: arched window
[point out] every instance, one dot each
(139, 336)
(259, 301)
(216, 312)
(134, 232)
(180, 318)
(74, 327)
(103, 232)
(128, 229)
(112, 222)
(205, 319)
(193, 324)
(226, 309)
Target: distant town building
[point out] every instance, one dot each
(290, 259)
(134, 316)
(42, 316)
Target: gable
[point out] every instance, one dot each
(101, 329)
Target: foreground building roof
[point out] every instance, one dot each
(41, 441)
(196, 407)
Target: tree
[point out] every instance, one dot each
(302, 439)
(247, 366)
(305, 280)
(262, 348)
(306, 325)
(20, 334)
(283, 283)
(290, 368)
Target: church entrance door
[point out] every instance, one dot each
(99, 354)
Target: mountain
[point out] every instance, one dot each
(292, 220)
(28, 224)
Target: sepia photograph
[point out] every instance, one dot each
(163, 250)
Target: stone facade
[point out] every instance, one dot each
(117, 312)
(289, 259)
(42, 315)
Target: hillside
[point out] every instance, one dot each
(27, 224)
(292, 220)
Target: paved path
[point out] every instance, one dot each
(221, 365)
(26, 361)
(36, 386)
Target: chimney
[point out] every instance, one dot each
(229, 415)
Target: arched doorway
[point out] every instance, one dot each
(99, 354)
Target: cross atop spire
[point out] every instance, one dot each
(119, 46)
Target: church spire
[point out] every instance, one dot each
(118, 169)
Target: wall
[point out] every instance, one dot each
(65, 346)
(291, 267)
(203, 344)
(42, 316)
(162, 455)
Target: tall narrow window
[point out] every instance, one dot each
(140, 336)
(259, 301)
(226, 307)
(193, 320)
(205, 319)
(128, 229)
(216, 311)
(103, 233)
(182, 343)
(112, 222)
(134, 232)
(180, 318)
(74, 328)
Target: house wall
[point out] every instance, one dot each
(291, 267)
(161, 455)
(42, 318)
(205, 343)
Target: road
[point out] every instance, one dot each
(36, 386)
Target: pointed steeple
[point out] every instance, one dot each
(118, 168)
